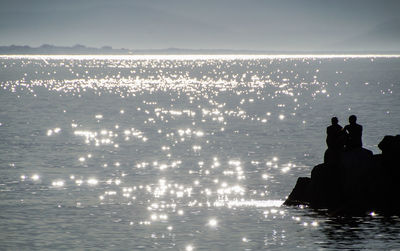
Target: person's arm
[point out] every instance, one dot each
(346, 131)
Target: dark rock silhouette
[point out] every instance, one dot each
(357, 182)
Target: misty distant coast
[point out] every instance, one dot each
(79, 49)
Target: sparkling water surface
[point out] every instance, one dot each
(183, 152)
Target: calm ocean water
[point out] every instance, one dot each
(182, 153)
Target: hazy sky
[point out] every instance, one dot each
(222, 24)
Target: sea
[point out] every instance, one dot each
(183, 152)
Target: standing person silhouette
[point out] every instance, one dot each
(354, 133)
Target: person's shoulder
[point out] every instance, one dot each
(338, 128)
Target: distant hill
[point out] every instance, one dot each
(385, 36)
(59, 50)
(78, 49)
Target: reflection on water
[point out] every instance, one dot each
(344, 232)
(181, 153)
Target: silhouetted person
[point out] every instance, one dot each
(335, 139)
(335, 135)
(354, 133)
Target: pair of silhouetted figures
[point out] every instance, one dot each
(349, 137)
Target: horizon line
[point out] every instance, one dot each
(78, 47)
(194, 56)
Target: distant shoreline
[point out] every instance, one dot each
(193, 56)
(107, 50)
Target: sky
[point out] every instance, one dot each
(272, 25)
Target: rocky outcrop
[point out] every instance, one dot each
(353, 181)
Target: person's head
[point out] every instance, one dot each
(334, 121)
(352, 119)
